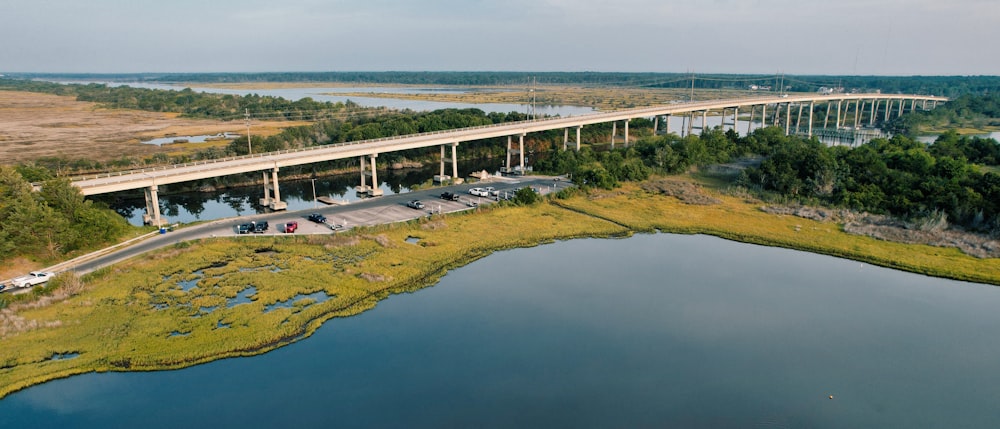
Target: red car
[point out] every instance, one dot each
(290, 227)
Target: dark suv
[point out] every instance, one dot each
(316, 217)
(243, 228)
(259, 227)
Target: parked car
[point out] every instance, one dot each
(479, 192)
(316, 217)
(290, 227)
(415, 204)
(490, 191)
(449, 196)
(243, 228)
(259, 227)
(33, 278)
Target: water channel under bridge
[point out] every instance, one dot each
(784, 110)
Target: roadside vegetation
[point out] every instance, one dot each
(52, 224)
(967, 113)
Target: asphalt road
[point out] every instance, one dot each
(373, 211)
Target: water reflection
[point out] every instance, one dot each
(200, 206)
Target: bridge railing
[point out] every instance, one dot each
(252, 157)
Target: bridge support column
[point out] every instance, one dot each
(888, 108)
(520, 151)
(826, 118)
(626, 132)
(364, 188)
(913, 105)
(750, 122)
(798, 120)
(763, 116)
(690, 126)
(901, 104)
(266, 201)
(375, 190)
(152, 216)
(578, 129)
(858, 109)
(656, 124)
(507, 165)
(871, 119)
(736, 119)
(666, 124)
(441, 171)
(454, 160)
(565, 138)
(704, 122)
(276, 203)
(614, 132)
(788, 118)
(812, 104)
(838, 114)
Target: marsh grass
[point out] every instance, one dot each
(127, 317)
(135, 316)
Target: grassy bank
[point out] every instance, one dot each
(182, 305)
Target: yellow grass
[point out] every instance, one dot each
(124, 317)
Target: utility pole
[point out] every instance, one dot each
(249, 148)
(691, 95)
(533, 116)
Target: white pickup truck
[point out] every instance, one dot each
(33, 278)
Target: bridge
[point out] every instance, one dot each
(865, 107)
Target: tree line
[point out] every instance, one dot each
(52, 222)
(949, 86)
(954, 179)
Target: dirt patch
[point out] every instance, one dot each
(895, 230)
(43, 125)
(687, 192)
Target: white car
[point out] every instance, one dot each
(479, 192)
(33, 278)
(491, 191)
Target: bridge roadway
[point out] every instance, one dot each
(152, 177)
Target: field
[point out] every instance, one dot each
(41, 125)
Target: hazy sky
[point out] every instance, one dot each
(898, 37)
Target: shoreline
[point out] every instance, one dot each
(388, 265)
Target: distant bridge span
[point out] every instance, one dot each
(149, 179)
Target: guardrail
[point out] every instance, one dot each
(692, 105)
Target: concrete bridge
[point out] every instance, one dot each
(769, 110)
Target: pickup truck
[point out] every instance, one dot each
(33, 278)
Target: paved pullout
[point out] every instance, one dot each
(368, 212)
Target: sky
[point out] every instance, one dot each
(832, 37)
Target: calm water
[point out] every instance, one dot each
(332, 94)
(650, 331)
(194, 206)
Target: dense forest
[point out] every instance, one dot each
(966, 111)
(190, 103)
(53, 222)
(949, 86)
(952, 181)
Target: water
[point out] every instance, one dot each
(190, 139)
(203, 206)
(650, 331)
(331, 94)
(932, 138)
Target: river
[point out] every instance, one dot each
(650, 331)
